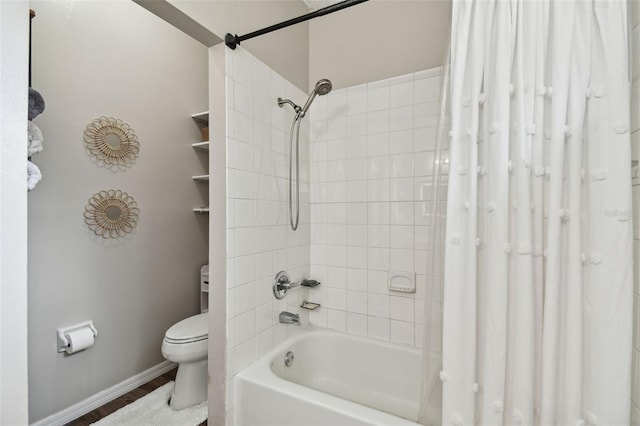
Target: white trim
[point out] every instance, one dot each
(83, 407)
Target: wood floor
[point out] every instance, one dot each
(128, 398)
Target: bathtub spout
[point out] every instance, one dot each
(289, 318)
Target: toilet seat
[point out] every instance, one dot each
(189, 330)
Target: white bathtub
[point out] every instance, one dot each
(334, 380)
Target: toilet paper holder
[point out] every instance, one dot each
(63, 339)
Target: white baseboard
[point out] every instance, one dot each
(83, 407)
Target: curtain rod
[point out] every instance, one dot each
(233, 40)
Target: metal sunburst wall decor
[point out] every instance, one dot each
(111, 214)
(112, 141)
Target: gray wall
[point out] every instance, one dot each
(286, 50)
(378, 39)
(114, 59)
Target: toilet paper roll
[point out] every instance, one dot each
(79, 339)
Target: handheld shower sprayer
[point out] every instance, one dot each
(323, 87)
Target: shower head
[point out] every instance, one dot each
(323, 87)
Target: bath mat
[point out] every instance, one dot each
(152, 409)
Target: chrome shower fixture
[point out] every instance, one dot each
(323, 87)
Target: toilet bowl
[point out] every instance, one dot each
(186, 344)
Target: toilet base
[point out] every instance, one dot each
(190, 387)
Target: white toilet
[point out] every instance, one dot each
(186, 344)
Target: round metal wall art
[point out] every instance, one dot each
(111, 214)
(112, 141)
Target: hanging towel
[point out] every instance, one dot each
(35, 139)
(36, 103)
(33, 175)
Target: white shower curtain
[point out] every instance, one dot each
(538, 283)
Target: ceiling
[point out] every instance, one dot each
(319, 4)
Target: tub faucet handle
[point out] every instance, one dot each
(289, 318)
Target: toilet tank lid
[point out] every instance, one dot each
(189, 328)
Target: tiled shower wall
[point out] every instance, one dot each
(635, 147)
(259, 240)
(372, 149)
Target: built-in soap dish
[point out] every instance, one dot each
(310, 305)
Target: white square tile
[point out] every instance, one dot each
(357, 99)
(401, 118)
(357, 213)
(244, 153)
(379, 167)
(378, 144)
(245, 298)
(336, 149)
(243, 99)
(245, 354)
(337, 256)
(245, 270)
(356, 146)
(401, 213)
(356, 324)
(243, 129)
(377, 282)
(264, 292)
(401, 94)
(357, 279)
(337, 320)
(402, 332)
(244, 213)
(401, 308)
(378, 99)
(402, 260)
(357, 169)
(264, 264)
(424, 139)
(378, 190)
(423, 163)
(378, 122)
(401, 141)
(336, 103)
(427, 89)
(419, 335)
(264, 343)
(357, 191)
(378, 305)
(318, 317)
(378, 236)
(419, 311)
(401, 166)
(244, 241)
(337, 128)
(401, 237)
(401, 189)
(336, 170)
(379, 213)
(245, 326)
(426, 114)
(357, 302)
(378, 259)
(337, 299)
(264, 317)
(337, 277)
(357, 235)
(356, 125)
(378, 328)
(337, 213)
(337, 235)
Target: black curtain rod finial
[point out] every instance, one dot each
(231, 41)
